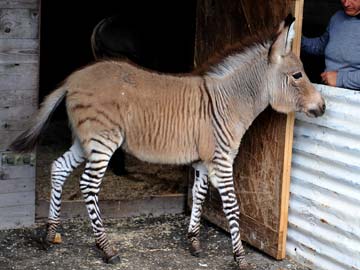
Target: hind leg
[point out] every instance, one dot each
(60, 170)
(199, 193)
(100, 151)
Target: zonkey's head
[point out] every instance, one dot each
(290, 88)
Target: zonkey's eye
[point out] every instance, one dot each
(297, 75)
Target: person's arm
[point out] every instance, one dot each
(348, 79)
(315, 46)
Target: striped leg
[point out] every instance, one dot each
(199, 193)
(60, 170)
(100, 154)
(223, 180)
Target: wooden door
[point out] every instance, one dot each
(262, 167)
(19, 64)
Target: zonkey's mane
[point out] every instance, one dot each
(261, 38)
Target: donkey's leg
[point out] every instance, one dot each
(199, 193)
(222, 179)
(60, 170)
(100, 151)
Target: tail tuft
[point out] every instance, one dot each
(27, 140)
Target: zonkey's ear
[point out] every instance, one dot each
(282, 44)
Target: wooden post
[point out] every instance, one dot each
(298, 7)
(19, 65)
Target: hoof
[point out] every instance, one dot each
(57, 239)
(196, 252)
(113, 260)
(246, 266)
(110, 255)
(242, 263)
(42, 241)
(195, 248)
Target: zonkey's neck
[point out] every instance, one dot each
(241, 94)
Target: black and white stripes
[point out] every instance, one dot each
(101, 149)
(60, 170)
(199, 192)
(220, 174)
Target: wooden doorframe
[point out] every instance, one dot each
(298, 10)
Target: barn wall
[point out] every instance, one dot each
(19, 64)
(324, 214)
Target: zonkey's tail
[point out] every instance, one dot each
(27, 140)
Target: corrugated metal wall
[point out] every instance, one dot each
(324, 213)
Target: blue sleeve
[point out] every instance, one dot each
(316, 45)
(348, 79)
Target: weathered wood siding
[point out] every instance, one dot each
(261, 166)
(19, 70)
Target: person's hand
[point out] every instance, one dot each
(329, 77)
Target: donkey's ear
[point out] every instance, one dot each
(290, 37)
(282, 43)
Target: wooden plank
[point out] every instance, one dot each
(19, 76)
(33, 4)
(17, 185)
(19, 80)
(6, 137)
(155, 205)
(15, 114)
(16, 199)
(9, 121)
(298, 7)
(19, 23)
(19, 51)
(16, 98)
(17, 216)
(14, 125)
(17, 172)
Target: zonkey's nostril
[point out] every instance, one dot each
(313, 112)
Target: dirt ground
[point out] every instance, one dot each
(145, 243)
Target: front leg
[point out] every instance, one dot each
(222, 179)
(199, 193)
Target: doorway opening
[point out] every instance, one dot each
(167, 29)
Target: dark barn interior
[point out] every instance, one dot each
(166, 31)
(316, 17)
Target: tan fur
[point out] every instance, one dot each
(162, 118)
